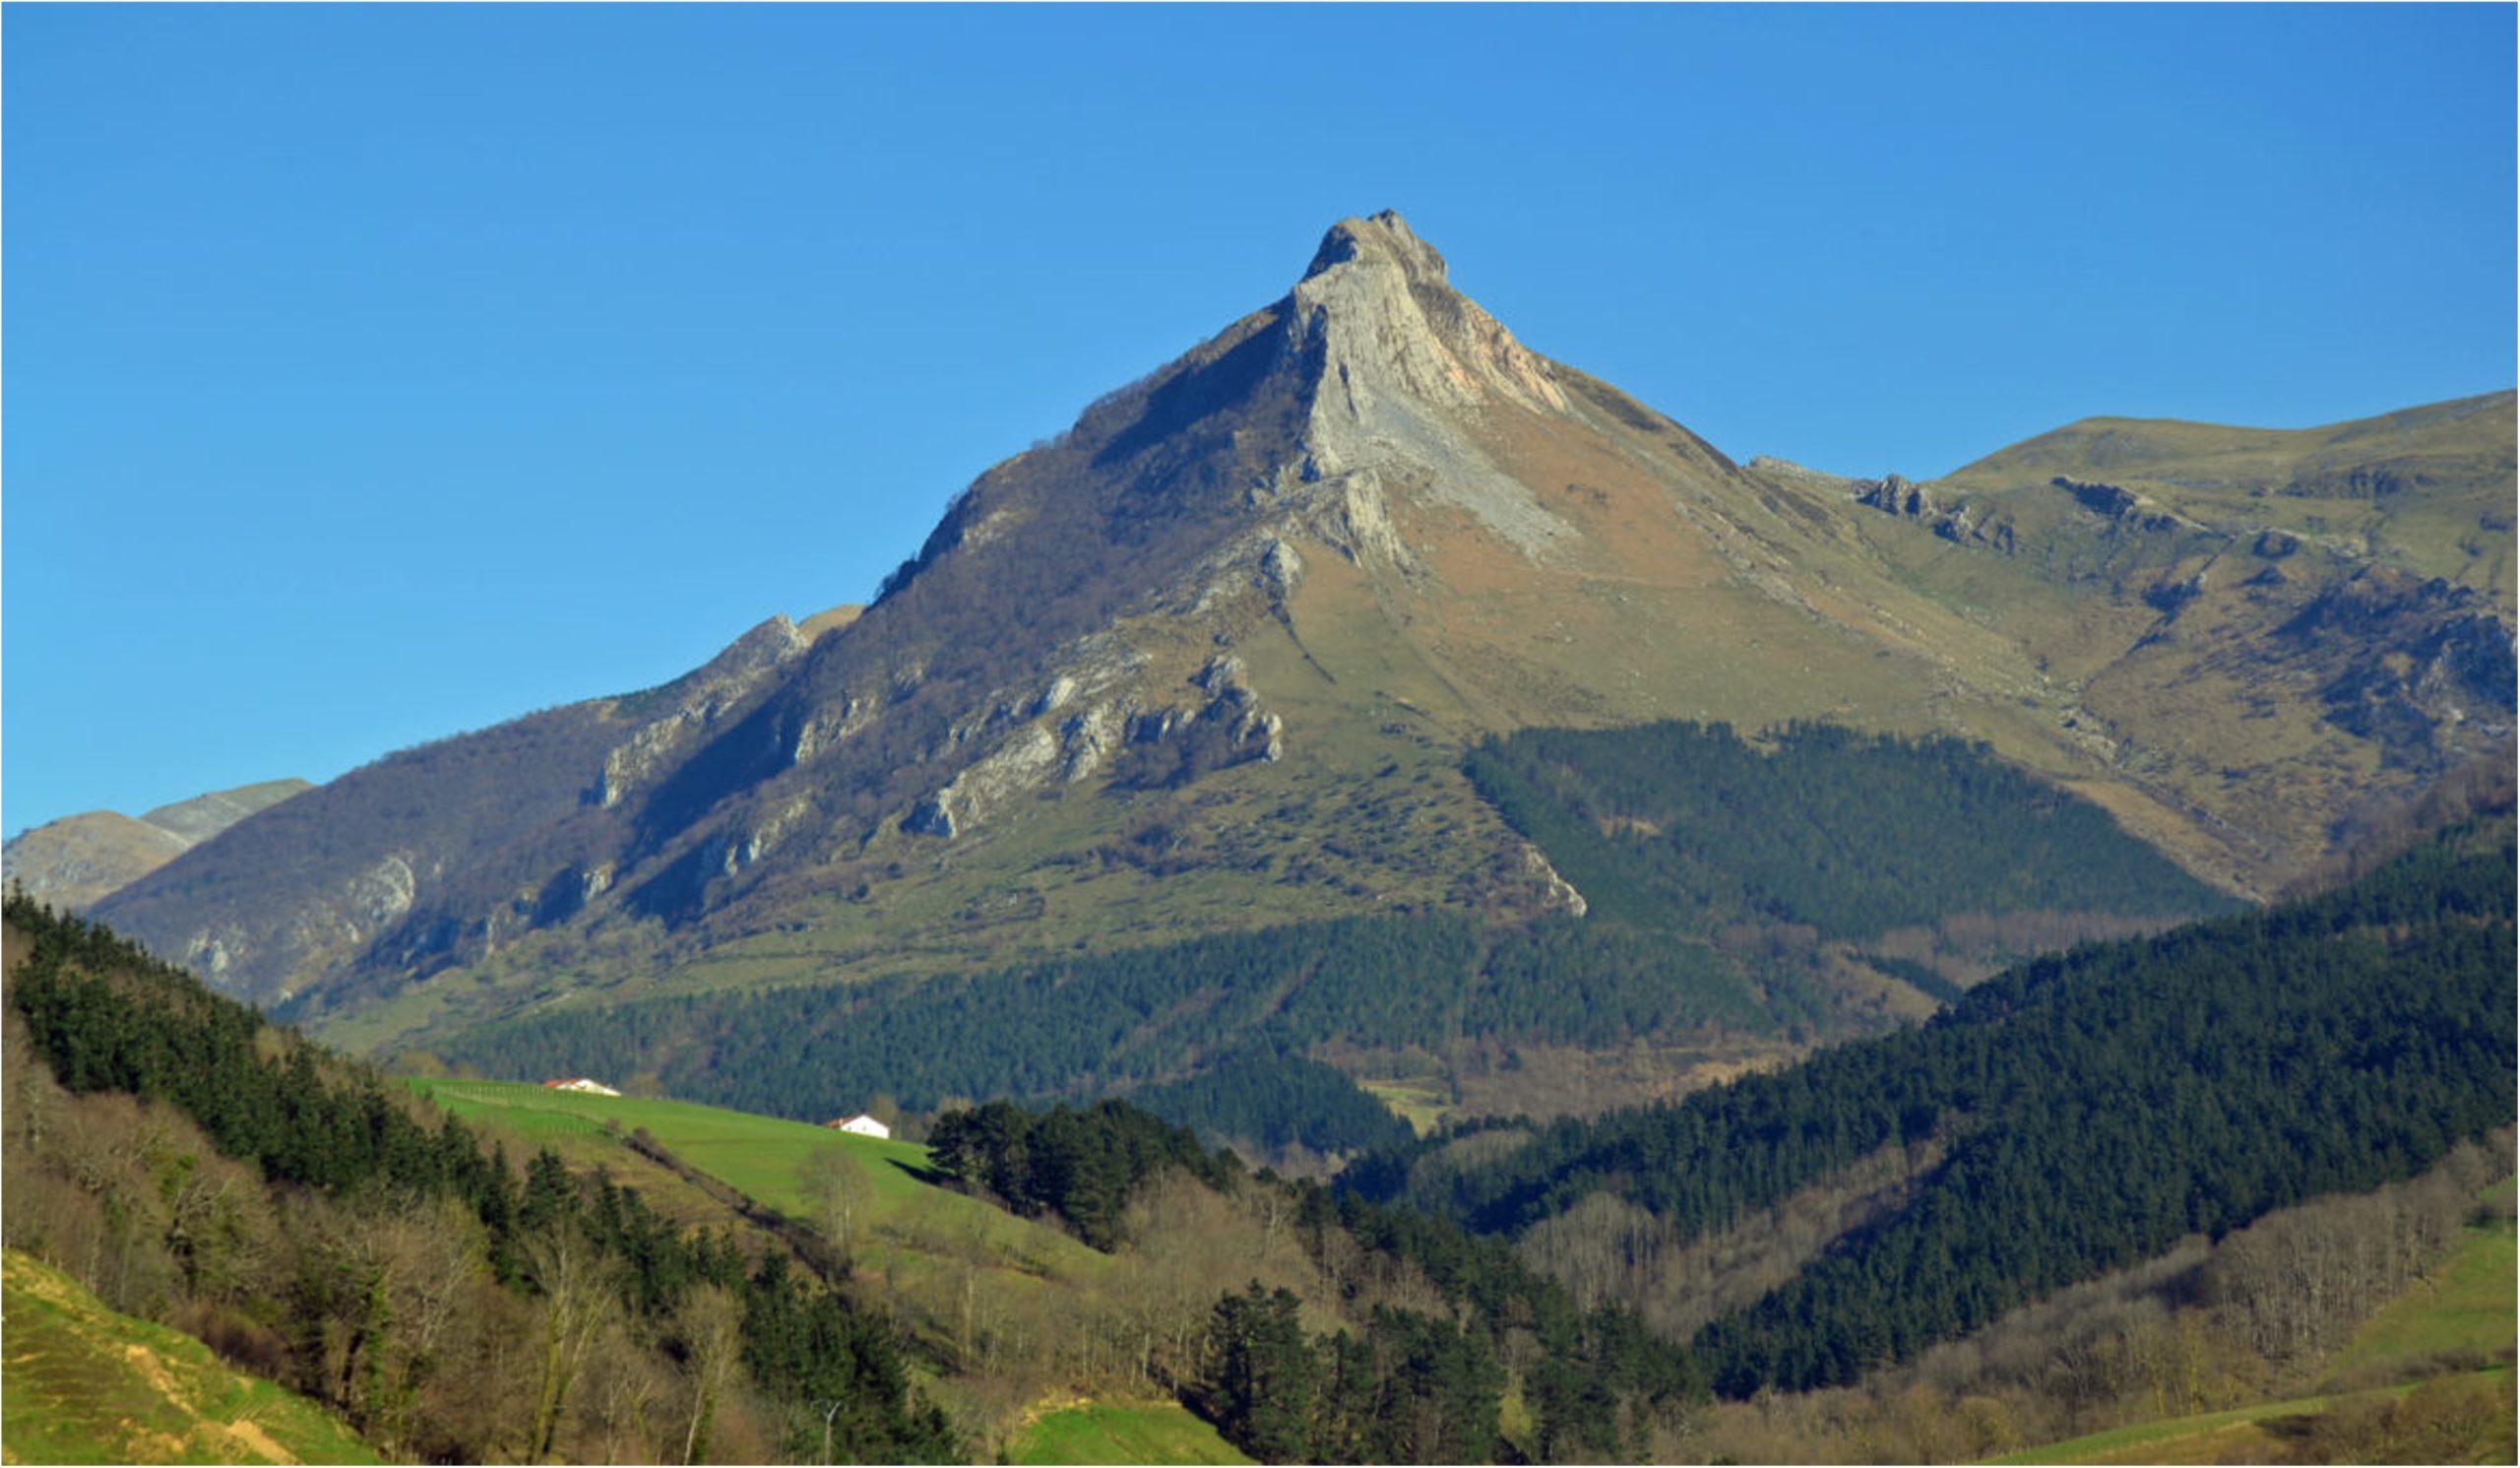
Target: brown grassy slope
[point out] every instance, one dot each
(78, 859)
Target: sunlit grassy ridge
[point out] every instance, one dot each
(85, 1384)
(2203, 1438)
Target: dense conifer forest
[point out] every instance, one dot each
(1679, 825)
(2097, 1106)
(1085, 1026)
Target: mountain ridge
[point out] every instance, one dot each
(1293, 573)
(80, 859)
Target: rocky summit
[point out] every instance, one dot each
(1211, 657)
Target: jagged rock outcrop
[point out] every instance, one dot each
(1955, 520)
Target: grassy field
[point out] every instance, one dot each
(85, 1384)
(2205, 1438)
(761, 1157)
(1123, 1432)
(755, 1155)
(1421, 1101)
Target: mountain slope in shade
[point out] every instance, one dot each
(1209, 660)
(79, 859)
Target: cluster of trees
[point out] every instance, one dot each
(1681, 825)
(1078, 1164)
(2097, 1106)
(1412, 1390)
(193, 1166)
(1428, 1323)
(1418, 1382)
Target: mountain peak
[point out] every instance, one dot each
(1383, 238)
(1403, 354)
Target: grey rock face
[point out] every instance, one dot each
(696, 702)
(1399, 349)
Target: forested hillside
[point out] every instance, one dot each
(2096, 1106)
(191, 1164)
(1429, 1328)
(1687, 826)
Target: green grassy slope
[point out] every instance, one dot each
(760, 1157)
(85, 1384)
(1123, 1432)
(2256, 1433)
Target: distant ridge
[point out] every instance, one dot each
(81, 860)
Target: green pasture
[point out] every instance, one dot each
(1422, 1101)
(1118, 1433)
(2158, 1438)
(763, 1157)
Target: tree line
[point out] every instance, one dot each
(1081, 1165)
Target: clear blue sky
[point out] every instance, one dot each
(379, 372)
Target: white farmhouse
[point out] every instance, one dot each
(861, 1124)
(582, 1084)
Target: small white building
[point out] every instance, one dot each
(861, 1124)
(580, 1083)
